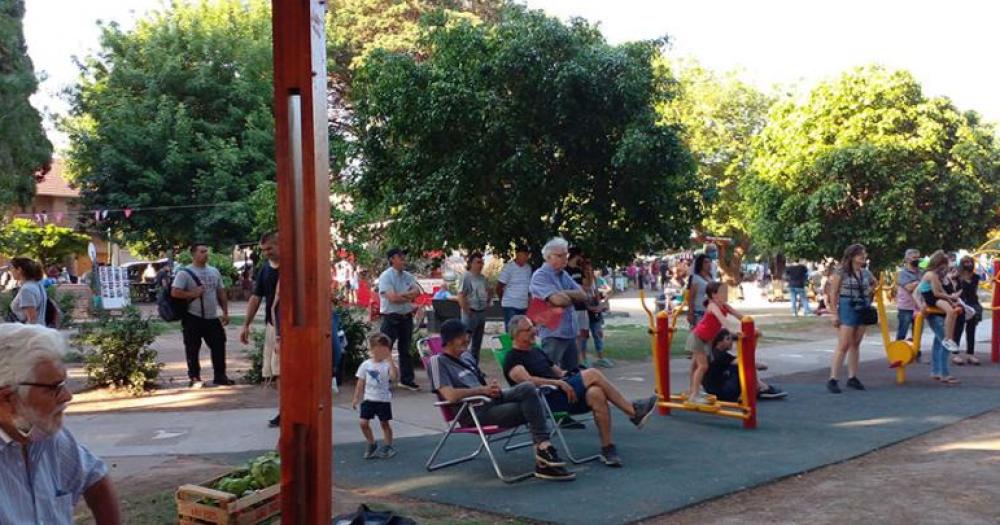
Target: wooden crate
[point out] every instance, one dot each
(262, 506)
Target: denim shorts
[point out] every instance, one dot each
(846, 313)
(559, 402)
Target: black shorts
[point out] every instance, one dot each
(382, 409)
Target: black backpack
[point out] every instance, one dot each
(366, 516)
(171, 308)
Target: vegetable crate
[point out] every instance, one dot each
(200, 505)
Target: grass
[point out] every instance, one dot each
(632, 342)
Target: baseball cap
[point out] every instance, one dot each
(394, 252)
(451, 329)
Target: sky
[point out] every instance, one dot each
(951, 47)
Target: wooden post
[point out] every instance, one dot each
(302, 158)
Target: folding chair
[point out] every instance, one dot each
(500, 354)
(452, 414)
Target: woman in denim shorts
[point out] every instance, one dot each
(851, 284)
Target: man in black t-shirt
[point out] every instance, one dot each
(266, 287)
(574, 268)
(795, 277)
(586, 390)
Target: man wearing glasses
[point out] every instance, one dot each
(43, 470)
(551, 283)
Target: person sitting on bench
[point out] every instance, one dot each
(579, 392)
(723, 376)
(455, 375)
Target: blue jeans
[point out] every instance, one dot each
(799, 295)
(905, 322)
(509, 312)
(597, 334)
(939, 356)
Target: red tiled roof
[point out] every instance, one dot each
(54, 185)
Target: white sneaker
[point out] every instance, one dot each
(950, 346)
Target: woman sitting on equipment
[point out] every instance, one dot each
(934, 295)
(723, 377)
(699, 341)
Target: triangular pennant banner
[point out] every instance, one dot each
(97, 215)
(128, 212)
(59, 217)
(104, 214)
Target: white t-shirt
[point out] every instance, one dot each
(343, 273)
(517, 281)
(376, 376)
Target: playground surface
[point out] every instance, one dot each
(156, 443)
(686, 458)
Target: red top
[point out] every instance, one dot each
(709, 326)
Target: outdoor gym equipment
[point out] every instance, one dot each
(900, 353)
(662, 327)
(995, 303)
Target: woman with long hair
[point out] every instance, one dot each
(934, 295)
(851, 285)
(967, 283)
(28, 305)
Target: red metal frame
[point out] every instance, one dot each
(748, 367)
(995, 340)
(664, 335)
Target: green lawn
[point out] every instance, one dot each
(632, 342)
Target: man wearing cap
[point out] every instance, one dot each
(551, 283)
(908, 278)
(513, 283)
(397, 289)
(455, 375)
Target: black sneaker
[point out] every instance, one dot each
(832, 386)
(370, 451)
(772, 392)
(276, 422)
(553, 473)
(569, 423)
(609, 455)
(225, 381)
(855, 384)
(549, 457)
(643, 409)
(413, 387)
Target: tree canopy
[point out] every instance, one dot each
(517, 131)
(25, 151)
(48, 244)
(177, 112)
(720, 115)
(869, 159)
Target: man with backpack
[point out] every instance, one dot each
(201, 285)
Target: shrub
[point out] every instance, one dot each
(356, 330)
(255, 354)
(121, 356)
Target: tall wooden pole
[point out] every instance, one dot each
(302, 156)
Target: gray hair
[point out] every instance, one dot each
(23, 347)
(554, 243)
(912, 252)
(514, 324)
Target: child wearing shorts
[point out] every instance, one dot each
(375, 376)
(699, 341)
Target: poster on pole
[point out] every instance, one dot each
(114, 287)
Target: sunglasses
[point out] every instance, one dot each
(54, 389)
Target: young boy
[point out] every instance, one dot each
(375, 376)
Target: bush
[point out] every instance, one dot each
(356, 330)
(255, 354)
(121, 356)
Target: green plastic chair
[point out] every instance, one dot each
(500, 355)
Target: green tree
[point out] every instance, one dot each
(517, 131)
(174, 113)
(48, 244)
(721, 115)
(869, 159)
(25, 152)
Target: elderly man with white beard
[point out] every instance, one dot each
(43, 470)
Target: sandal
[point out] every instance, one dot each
(957, 360)
(935, 378)
(950, 380)
(973, 360)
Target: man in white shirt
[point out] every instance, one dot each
(513, 285)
